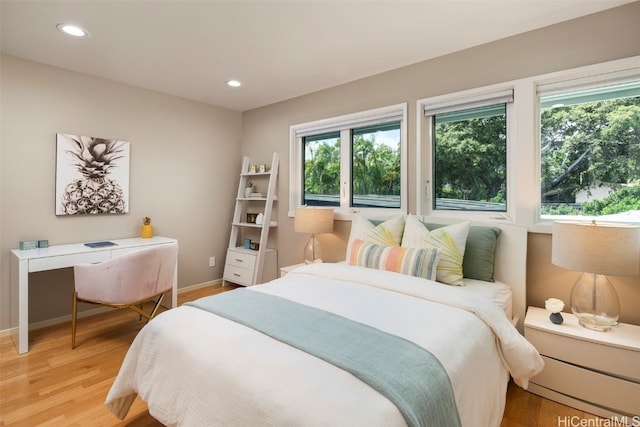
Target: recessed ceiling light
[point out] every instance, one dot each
(234, 83)
(73, 30)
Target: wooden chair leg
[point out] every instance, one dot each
(74, 315)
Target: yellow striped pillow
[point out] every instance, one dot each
(388, 232)
(451, 239)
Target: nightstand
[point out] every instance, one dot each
(289, 268)
(241, 264)
(596, 372)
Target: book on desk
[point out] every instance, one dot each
(100, 244)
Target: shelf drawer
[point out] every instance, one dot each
(613, 393)
(239, 275)
(621, 362)
(240, 259)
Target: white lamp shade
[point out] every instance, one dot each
(313, 220)
(602, 248)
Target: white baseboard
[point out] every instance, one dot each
(56, 320)
(199, 285)
(93, 312)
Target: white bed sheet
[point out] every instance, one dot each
(497, 292)
(195, 368)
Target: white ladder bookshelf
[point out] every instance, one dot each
(246, 266)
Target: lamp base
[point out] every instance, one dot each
(595, 303)
(312, 251)
(595, 323)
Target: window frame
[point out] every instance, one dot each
(559, 86)
(344, 124)
(523, 144)
(425, 168)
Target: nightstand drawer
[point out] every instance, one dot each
(617, 361)
(239, 275)
(612, 393)
(240, 259)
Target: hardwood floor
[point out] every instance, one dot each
(52, 385)
(526, 409)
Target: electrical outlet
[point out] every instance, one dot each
(212, 261)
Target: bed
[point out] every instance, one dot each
(333, 345)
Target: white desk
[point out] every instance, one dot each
(24, 262)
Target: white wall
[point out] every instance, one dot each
(593, 39)
(185, 156)
(185, 159)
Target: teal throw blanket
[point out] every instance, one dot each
(405, 373)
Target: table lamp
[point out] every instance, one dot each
(314, 221)
(596, 249)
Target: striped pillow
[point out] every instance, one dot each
(419, 262)
(388, 232)
(451, 239)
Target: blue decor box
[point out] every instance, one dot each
(28, 244)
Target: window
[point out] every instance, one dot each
(590, 148)
(321, 165)
(468, 159)
(375, 166)
(560, 145)
(352, 162)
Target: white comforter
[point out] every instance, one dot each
(194, 368)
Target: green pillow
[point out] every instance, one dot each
(479, 253)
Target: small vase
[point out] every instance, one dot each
(248, 191)
(146, 232)
(556, 318)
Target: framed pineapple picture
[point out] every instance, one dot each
(92, 175)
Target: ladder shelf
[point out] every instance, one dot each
(251, 266)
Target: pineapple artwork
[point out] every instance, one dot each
(92, 175)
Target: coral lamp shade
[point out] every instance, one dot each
(313, 220)
(602, 248)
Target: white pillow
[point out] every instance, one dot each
(414, 232)
(452, 239)
(388, 233)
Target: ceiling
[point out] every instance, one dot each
(277, 49)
